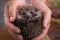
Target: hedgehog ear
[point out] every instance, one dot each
(39, 14)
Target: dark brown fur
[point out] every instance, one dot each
(29, 20)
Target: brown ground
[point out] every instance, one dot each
(4, 35)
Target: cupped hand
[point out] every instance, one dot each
(10, 15)
(46, 17)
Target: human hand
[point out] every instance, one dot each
(46, 17)
(10, 15)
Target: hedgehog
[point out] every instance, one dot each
(29, 20)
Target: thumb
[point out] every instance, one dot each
(12, 13)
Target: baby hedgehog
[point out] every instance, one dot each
(29, 20)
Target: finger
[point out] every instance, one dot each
(47, 19)
(19, 37)
(13, 28)
(12, 12)
(6, 13)
(46, 14)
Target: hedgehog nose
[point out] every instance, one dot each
(24, 13)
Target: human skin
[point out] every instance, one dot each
(46, 19)
(10, 15)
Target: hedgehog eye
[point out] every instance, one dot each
(24, 13)
(31, 12)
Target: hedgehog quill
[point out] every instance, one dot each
(29, 20)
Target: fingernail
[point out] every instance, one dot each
(11, 19)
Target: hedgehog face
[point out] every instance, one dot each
(28, 14)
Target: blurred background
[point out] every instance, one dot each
(54, 31)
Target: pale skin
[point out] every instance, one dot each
(10, 15)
